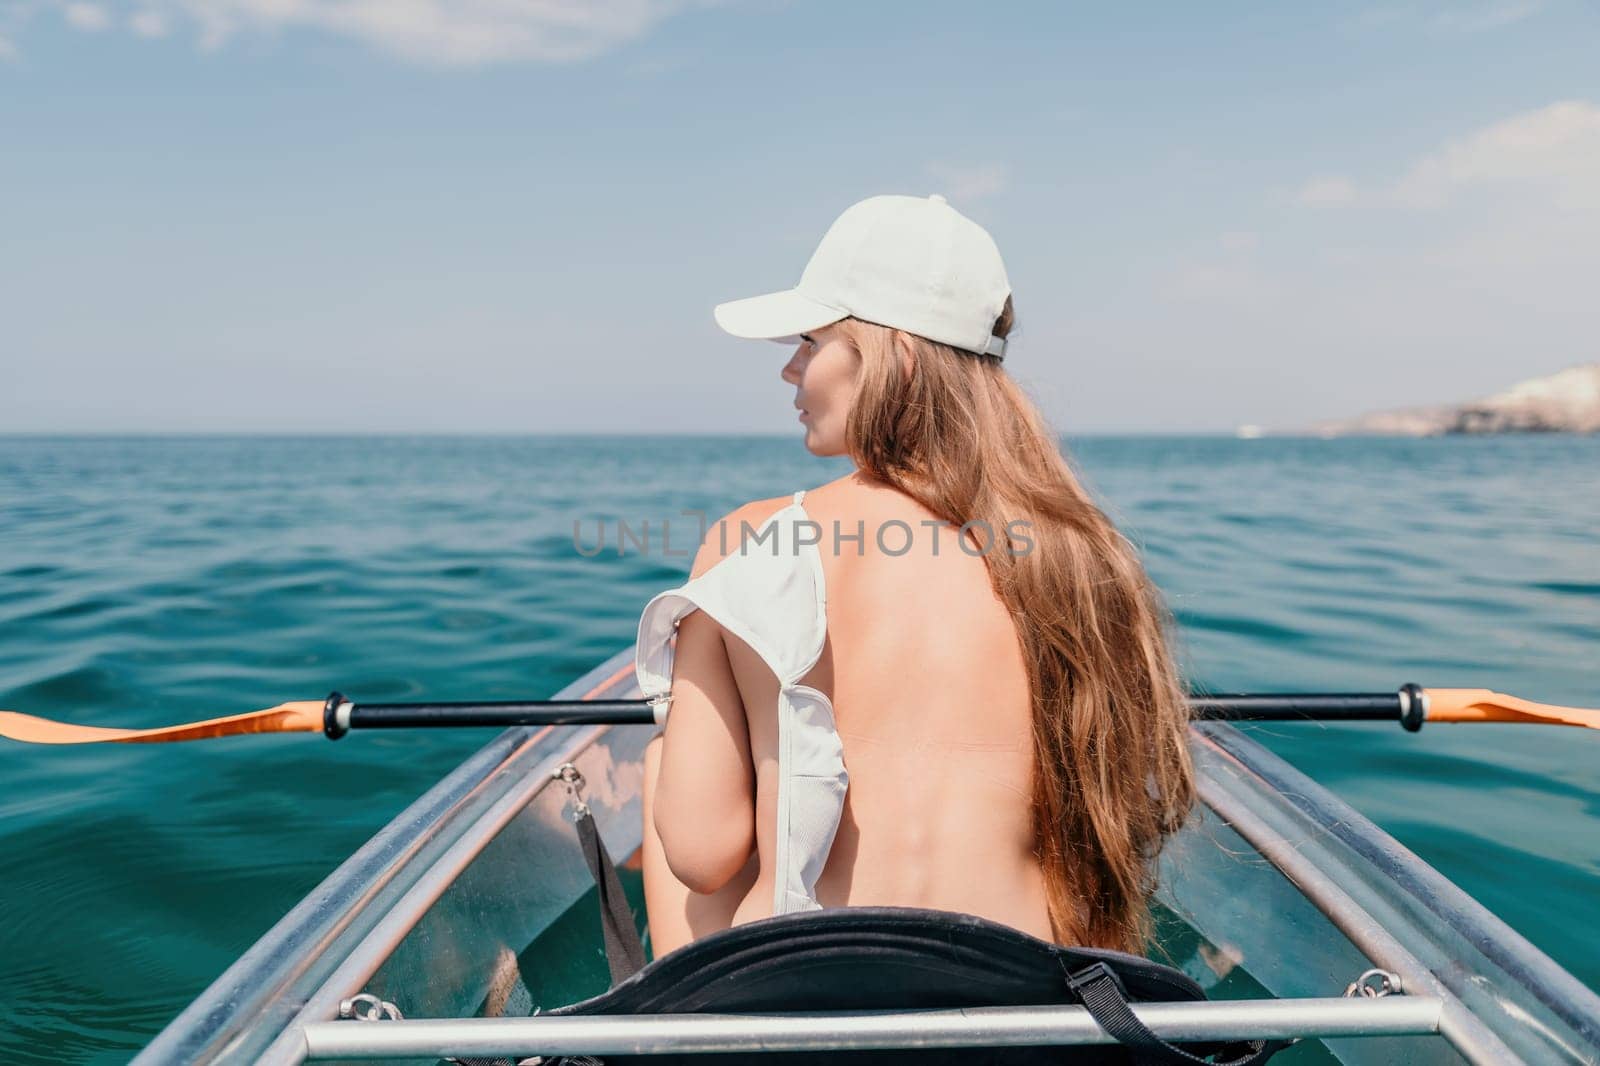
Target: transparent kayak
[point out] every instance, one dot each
(476, 903)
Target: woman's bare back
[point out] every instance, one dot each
(925, 672)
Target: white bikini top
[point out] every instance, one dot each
(771, 594)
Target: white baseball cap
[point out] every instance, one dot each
(902, 261)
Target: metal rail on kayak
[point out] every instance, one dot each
(822, 1031)
(1505, 999)
(300, 966)
(1277, 880)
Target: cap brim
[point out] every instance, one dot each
(777, 316)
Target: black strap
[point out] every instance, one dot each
(1100, 991)
(624, 950)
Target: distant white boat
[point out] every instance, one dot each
(1248, 432)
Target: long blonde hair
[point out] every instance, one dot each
(1112, 777)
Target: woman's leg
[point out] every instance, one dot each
(676, 914)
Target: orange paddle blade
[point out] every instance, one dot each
(300, 716)
(1481, 705)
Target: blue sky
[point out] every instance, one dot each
(516, 215)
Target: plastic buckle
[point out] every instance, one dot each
(1078, 980)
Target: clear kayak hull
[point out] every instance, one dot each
(476, 901)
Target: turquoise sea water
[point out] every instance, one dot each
(151, 581)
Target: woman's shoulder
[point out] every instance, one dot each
(725, 535)
(844, 500)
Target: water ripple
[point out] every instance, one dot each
(148, 581)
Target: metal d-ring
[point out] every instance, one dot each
(570, 776)
(366, 1007)
(1374, 984)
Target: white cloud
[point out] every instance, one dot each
(1552, 152)
(148, 24)
(963, 183)
(1448, 16)
(1225, 283)
(1493, 283)
(1240, 241)
(1327, 191)
(432, 32)
(14, 16)
(1489, 16)
(91, 18)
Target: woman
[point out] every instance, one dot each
(981, 716)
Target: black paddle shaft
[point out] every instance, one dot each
(341, 714)
(1406, 706)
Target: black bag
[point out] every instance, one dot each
(897, 958)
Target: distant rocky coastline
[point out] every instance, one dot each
(1567, 402)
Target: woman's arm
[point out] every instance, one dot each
(704, 802)
(677, 915)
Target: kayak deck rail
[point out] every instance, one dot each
(822, 1031)
(1277, 889)
(1505, 1000)
(265, 994)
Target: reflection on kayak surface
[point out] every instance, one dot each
(476, 901)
